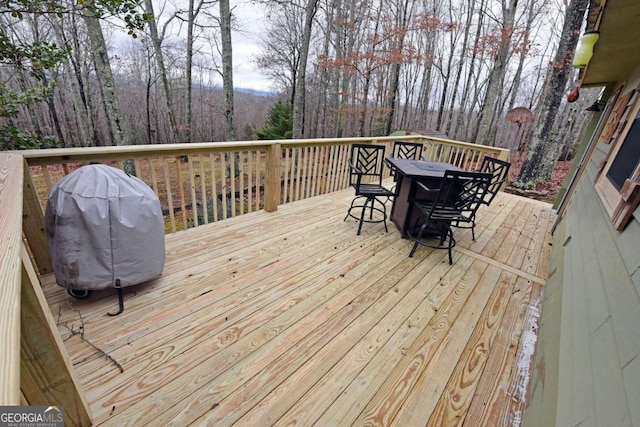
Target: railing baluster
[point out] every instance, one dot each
(308, 163)
(320, 163)
(225, 187)
(203, 189)
(154, 178)
(313, 187)
(241, 156)
(233, 155)
(183, 206)
(285, 175)
(335, 161)
(250, 181)
(258, 179)
(299, 166)
(167, 181)
(214, 185)
(292, 173)
(342, 167)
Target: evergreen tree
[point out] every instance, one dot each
(279, 123)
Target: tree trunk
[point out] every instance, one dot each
(84, 120)
(461, 63)
(162, 71)
(369, 65)
(188, 118)
(403, 16)
(446, 76)
(227, 69)
(105, 77)
(485, 131)
(299, 100)
(552, 94)
(337, 75)
(466, 92)
(532, 13)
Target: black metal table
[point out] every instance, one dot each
(406, 173)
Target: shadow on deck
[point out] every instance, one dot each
(289, 317)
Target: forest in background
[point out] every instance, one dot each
(346, 68)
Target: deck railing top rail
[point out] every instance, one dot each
(55, 155)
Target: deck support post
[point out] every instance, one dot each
(272, 177)
(33, 224)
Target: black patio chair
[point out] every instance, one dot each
(499, 170)
(407, 150)
(366, 166)
(404, 150)
(454, 202)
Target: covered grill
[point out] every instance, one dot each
(105, 229)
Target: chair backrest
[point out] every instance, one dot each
(460, 190)
(499, 170)
(366, 161)
(471, 187)
(407, 150)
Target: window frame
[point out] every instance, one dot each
(620, 204)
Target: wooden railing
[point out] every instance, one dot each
(196, 184)
(206, 182)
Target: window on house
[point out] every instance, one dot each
(618, 182)
(628, 157)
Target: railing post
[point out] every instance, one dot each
(272, 179)
(10, 243)
(33, 224)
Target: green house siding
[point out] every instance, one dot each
(587, 367)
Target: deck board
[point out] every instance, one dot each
(289, 317)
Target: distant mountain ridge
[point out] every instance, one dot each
(255, 92)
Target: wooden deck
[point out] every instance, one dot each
(290, 318)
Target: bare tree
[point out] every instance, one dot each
(73, 80)
(156, 40)
(191, 16)
(115, 120)
(485, 130)
(559, 73)
(280, 48)
(300, 89)
(227, 69)
(460, 66)
(403, 13)
(466, 107)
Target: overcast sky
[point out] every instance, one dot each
(249, 24)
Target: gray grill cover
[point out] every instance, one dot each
(103, 225)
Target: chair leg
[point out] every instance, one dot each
(452, 243)
(364, 209)
(473, 228)
(384, 215)
(350, 208)
(418, 238)
(413, 250)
